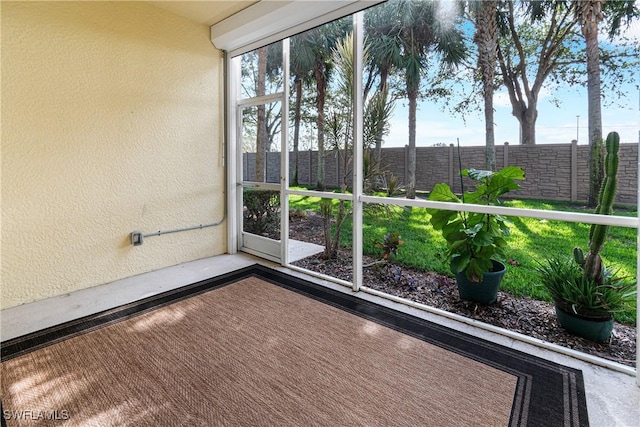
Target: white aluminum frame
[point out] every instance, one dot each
(273, 250)
(612, 220)
(358, 151)
(284, 157)
(232, 70)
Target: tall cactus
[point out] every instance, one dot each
(598, 232)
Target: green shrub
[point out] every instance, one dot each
(262, 212)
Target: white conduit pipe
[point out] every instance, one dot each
(177, 230)
(137, 237)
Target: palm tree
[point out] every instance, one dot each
(590, 14)
(262, 74)
(420, 33)
(384, 56)
(340, 135)
(321, 41)
(301, 65)
(486, 38)
(262, 135)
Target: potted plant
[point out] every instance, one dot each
(585, 306)
(586, 293)
(476, 242)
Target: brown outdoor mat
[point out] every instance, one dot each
(251, 352)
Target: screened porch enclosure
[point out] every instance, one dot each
(196, 231)
(264, 110)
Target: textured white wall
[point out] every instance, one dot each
(111, 122)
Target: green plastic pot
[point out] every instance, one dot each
(484, 292)
(595, 329)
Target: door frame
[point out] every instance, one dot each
(239, 240)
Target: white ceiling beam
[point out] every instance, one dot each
(271, 20)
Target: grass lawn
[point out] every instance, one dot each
(531, 240)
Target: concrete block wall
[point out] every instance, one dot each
(554, 171)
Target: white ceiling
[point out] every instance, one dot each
(238, 28)
(205, 12)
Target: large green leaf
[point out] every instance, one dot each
(482, 238)
(439, 218)
(476, 174)
(459, 263)
(474, 270)
(504, 181)
(492, 185)
(453, 227)
(500, 185)
(442, 193)
(504, 228)
(512, 172)
(471, 231)
(474, 197)
(456, 236)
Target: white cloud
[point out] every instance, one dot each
(434, 129)
(633, 32)
(634, 28)
(564, 133)
(501, 99)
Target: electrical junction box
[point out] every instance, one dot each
(137, 238)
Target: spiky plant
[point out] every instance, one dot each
(593, 268)
(584, 285)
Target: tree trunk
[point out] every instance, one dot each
(327, 219)
(517, 66)
(412, 95)
(527, 118)
(490, 138)
(486, 38)
(296, 129)
(382, 87)
(321, 86)
(342, 214)
(591, 15)
(262, 134)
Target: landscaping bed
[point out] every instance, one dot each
(523, 315)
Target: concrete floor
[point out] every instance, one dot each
(299, 250)
(613, 397)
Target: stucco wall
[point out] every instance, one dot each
(111, 122)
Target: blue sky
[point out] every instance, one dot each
(554, 124)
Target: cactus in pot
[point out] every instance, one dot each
(593, 262)
(586, 292)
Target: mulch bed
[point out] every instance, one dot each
(527, 316)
